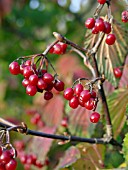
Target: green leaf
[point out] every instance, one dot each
(117, 103)
(125, 148)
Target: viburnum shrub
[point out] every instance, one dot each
(103, 40)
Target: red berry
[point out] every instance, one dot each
(51, 50)
(2, 167)
(94, 30)
(94, 117)
(25, 82)
(59, 85)
(1, 150)
(90, 23)
(33, 79)
(107, 29)
(117, 72)
(41, 84)
(68, 93)
(57, 49)
(28, 62)
(85, 95)
(11, 165)
(99, 25)
(38, 164)
(101, 1)
(110, 40)
(78, 89)
(63, 47)
(5, 157)
(31, 90)
(81, 102)
(48, 95)
(89, 104)
(23, 158)
(49, 86)
(74, 102)
(36, 118)
(125, 16)
(14, 68)
(48, 78)
(93, 94)
(27, 72)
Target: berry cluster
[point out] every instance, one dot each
(36, 80)
(30, 159)
(117, 72)
(59, 48)
(125, 16)
(99, 25)
(7, 161)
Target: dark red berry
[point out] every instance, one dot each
(63, 47)
(27, 72)
(117, 72)
(68, 93)
(90, 23)
(2, 167)
(89, 104)
(48, 95)
(93, 94)
(5, 157)
(78, 89)
(1, 150)
(94, 117)
(31, 90)
(25, 82)
(49, 86)
(74, 102)
(11, 165)
(33, 79)
(101, 1)
(110, 40)
(59, 85)
(14, 68)
(125, 16)
(107, 29)
(57, 49)
(81, 103)
(38, 164)
(48, 78)
(41, 84)
(28, 62)
(85, 95)
(99, 25)
(94, 30)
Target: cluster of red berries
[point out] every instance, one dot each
(28, 160)
(59, 48)
(36, 81)
(101, 1)
(80, 96)
(7, 161)
(117, 72)
(125, 16)
(99, 25)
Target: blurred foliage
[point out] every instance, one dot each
(26, 28)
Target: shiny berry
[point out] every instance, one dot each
(49, 86)
(89, 104)
(85, 95)
(78, 89)
(74, 102)
(14, 68)
(107, 29)
(11, 165)
(57, 49)
(31, 90)
(94, 30)
(117, 72)
(48, 78)
(94, 117)
(5, 157)
(63, 47)
(59, 85)
(101, 1)
(90, 23)
(99, 25)
(33, 79)
(27, 72)
(48, 95)
(25, 82)
(125, 16)
(41, 84)
(110, 40)
(68, 93)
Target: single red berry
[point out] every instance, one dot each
(49, 86)
(94, 117)
(57, 49)
(48, 78)
(25, 82)
(68, 93)
(85, 95)
(11, 165)
(74, 102)
(27, 72)
(99, 25)
(101, 1)
(117, 72)
(94, 30)
(28, 62)
(48, 95)
(125, 16)
(90, 23)
(59, 85)
(36, 118)
(89, 104)
(41, 84)
(5, 157)
(93, 94)
(38, 164)
(110, 40)
(51, 50)
(31, 90)
(63, 47)
(14, 68)
(23, 158)
(81, 103)
(33, 79)
(78, 89)
(107, 29)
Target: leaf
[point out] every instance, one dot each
(41, 146)
(107, 56)
(125, 148)
(71, 155)
(91, 157)
(117, 103)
